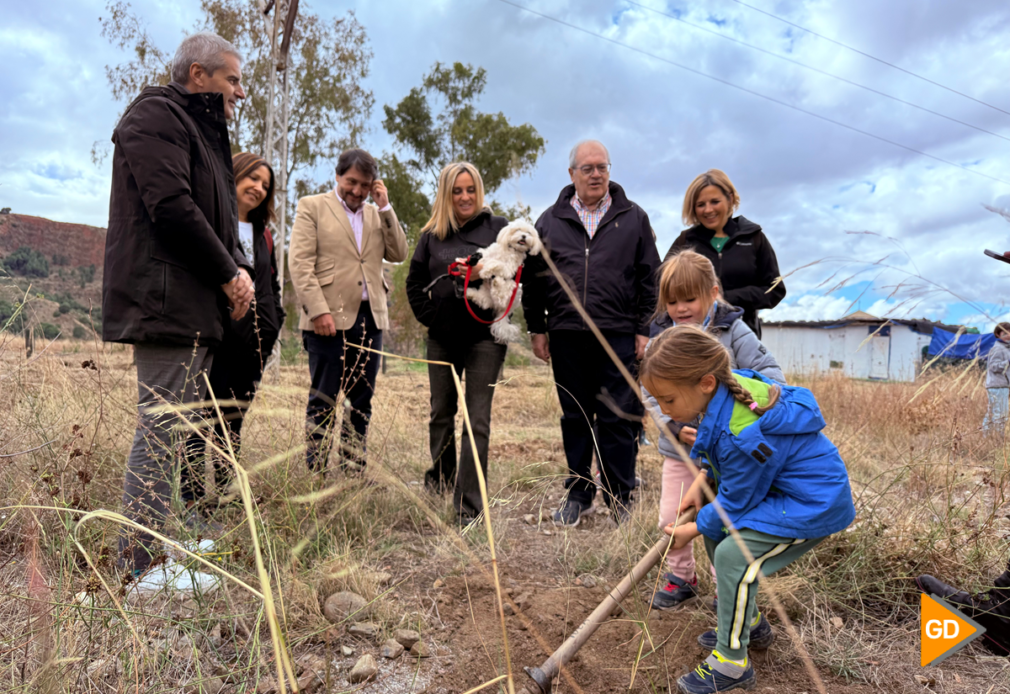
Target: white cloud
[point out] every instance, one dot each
(807, 182)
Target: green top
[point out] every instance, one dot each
(719, 242)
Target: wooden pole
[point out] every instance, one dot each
(544, 675)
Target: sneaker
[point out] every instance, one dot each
(676, 593)
(176, 576)
(570, 512)
(705, 679)
(715, 604)
(761, 636)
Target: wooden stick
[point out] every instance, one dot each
(544, 675)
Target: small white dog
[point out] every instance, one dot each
(500, 262)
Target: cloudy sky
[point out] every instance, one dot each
(833, 201)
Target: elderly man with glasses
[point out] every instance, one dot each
(604, 247)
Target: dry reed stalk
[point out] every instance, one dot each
(484, 499)
(734, 533)
(282, 657)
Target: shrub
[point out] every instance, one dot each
(80, 333)
(28, 262)
(49, 331)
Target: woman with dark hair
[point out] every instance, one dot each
(743, 257)
(460, 225)
(238, 362)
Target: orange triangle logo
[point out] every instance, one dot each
(943, 629)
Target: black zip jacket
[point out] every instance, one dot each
(440, 309)
(173, 221)
(613, 274)
(747, 266)
(259, 329)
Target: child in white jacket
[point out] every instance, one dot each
(997, 381)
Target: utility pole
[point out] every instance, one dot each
(276, 136)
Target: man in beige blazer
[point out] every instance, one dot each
(338, 244)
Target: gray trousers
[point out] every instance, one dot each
(170, 375)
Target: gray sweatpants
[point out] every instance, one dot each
(166, 374)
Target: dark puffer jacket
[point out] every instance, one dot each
(172, 239)
(613, 274)
(440, 309)
(747, 266)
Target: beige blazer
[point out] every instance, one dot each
(327, 270)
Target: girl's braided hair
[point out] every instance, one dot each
(684, 354)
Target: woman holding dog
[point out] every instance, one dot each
(743, 257)
(460, 225)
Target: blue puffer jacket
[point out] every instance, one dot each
(777, 473)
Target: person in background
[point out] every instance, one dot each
(603, 245)
(689, 295)
(460, 225)
(338, 243)
(743, 258)
(248, 341)
(997, 381)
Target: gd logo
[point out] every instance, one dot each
(943, 629)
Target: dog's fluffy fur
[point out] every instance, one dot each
(501, 261)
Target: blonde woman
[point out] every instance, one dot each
(743, 257)
(459, 225)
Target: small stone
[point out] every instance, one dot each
(522, 600)
(214, 638)
(364, 629)
(347, 650)
(267, 685)
(578, 582)
(406, 637)
(420, 650)
(391, 649)
(343, 605)
(508, 609)
(547, 532)
(363, 670)
(438, 583)
(837, 622)
(925, 681)
(530, 519)
(588, 581)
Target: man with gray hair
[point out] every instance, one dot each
(604, 247)
(174, 272)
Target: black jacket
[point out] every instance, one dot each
(613, 274)
(747, 266)
(259, 329)
(439, 309)
(172, 238)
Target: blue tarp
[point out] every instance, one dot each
(965, 346)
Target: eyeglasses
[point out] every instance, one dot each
(588, 169)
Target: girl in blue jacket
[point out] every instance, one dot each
(777, 479)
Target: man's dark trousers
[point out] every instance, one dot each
(595, 397)
(335, 367)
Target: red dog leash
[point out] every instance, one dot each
(456, 272)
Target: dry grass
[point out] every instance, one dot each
(931, 494)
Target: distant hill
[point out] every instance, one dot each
(64, 284)
(79, 243)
